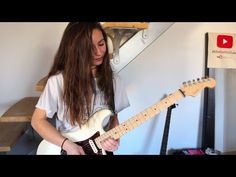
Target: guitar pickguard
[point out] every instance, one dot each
(87, 147)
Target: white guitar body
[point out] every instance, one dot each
(93, 126)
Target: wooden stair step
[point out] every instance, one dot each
(41, 84)
(22, 111)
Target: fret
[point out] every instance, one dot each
(165, 102)
(101, 138)
(143, 116)
(125, 127)
(168, 101)
(122, 129)
(106, 135)
(139, 119)
(115, 133)
(171, 99)
(135, 120)
(129, 124)
(150, 112)
(110, 134)
(178, 95)
(155, 109)
(161, 106)
(119, 130)
(116, 136)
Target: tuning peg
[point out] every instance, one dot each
(184, 83)
(198, 79)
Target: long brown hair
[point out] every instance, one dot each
(73, 59)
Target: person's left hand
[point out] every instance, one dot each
(110, 144)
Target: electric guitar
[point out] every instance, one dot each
(92, 133)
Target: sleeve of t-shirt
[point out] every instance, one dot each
(121, 98)
(48, 99)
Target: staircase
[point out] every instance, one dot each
(137, 43)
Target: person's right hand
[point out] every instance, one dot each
(73, 148)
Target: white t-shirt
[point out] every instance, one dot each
(51, 100)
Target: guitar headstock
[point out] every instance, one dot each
(191, 88)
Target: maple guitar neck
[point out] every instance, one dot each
(190, 88)
(141, 117)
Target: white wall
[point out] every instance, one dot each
(225, 110)
(26, 54)
(27, 51)
(177, 56)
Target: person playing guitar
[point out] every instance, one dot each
(80, 83)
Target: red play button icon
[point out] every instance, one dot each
(224, 41)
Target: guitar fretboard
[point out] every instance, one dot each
(140, 118)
